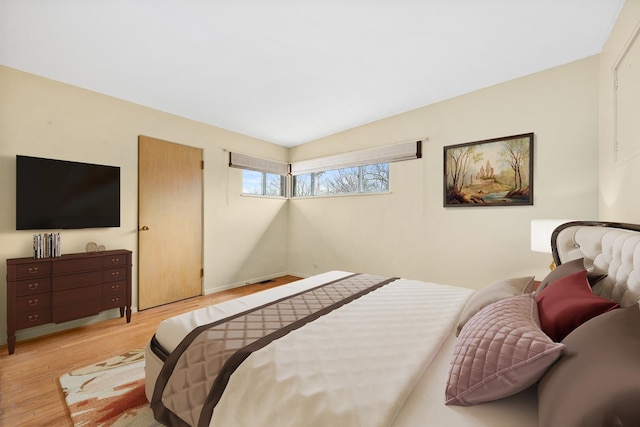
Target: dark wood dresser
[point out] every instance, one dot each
(56, 290)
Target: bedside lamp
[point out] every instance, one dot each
(541, 230)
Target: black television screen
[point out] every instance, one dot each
(54, 194)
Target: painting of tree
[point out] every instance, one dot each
(494, 172)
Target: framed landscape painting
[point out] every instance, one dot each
(493, 172)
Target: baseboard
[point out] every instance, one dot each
(246, 282)
(303, 275)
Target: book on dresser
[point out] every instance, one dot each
(69, 287)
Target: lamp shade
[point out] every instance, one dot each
(541, 230)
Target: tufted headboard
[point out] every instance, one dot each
(607, 248)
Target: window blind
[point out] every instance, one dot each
(243, 161)
(386, 154)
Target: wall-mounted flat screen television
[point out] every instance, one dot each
(53, 194)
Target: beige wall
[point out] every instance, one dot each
(618, 179)
(410, 233)
(245, 238)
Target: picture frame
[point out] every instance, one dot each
(492, 172)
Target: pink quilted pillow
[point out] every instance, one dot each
(500, 351)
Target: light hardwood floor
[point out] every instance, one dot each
(30, 393)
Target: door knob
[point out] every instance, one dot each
(144, 228)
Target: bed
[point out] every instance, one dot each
(347, 349)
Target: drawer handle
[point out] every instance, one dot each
(33, 270)
(115, 287)
(115, 299)
(115, 260)
(33, 301)
(33, 286)
(33, 317)
(115, 273)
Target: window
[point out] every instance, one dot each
(263, 183)
(261, 177)
(355, 172)
(354, 180)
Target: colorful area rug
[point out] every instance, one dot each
(109, 393)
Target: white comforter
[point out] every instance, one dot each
(293, 393)
(352, 367)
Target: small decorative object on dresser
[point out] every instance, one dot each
(46, 290)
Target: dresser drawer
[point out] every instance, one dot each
(73, 265)
(32, 286)
(114, 274)
(32, 269)
(71, 296)
(33, 318)
(71, 281)
(114, 288)
(77, 310)
(33, 302)
(116, 260)
(113, 301)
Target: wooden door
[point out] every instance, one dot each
(169, 222)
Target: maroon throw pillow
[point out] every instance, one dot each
(567, 303)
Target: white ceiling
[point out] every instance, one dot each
(291, 71)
